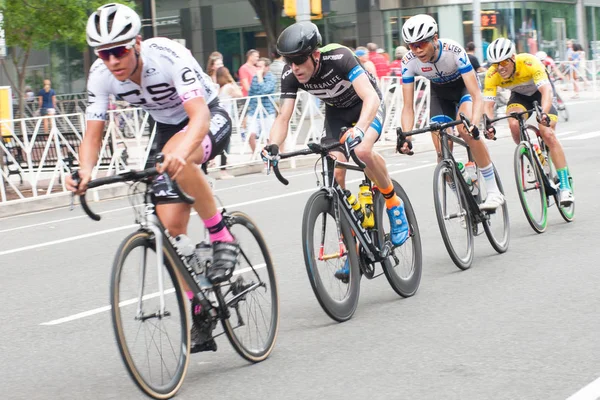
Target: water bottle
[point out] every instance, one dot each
(354, 204)
(365, 198)
(188, 250)
(471, 170)
(464, 173)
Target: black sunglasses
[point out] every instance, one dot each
(295, 59)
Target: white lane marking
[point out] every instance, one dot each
(128, 302)
(565, 133)
(583, 136)
(51, 210)
(588, 392)
(261, 200)
(65, 240)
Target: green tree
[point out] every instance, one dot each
(34, 24)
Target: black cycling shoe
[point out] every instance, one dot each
(225, 256)
(202, 327)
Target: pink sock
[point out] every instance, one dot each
(217, 230)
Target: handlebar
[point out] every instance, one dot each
(313, 148)
(516, 115)
(134, 176)
(436, 126)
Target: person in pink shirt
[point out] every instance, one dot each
(248, 70)
(381, 64)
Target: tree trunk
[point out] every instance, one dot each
(269, 13)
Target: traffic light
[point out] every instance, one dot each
(316, 8)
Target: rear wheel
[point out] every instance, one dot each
(568, 213)
(402, 267)
(453, 216)
(325, 257)
(251, 295)
(497, 224)
(532, 193)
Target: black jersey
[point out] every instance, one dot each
(332, 83)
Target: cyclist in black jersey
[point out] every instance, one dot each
(334, 74)
(169, 84)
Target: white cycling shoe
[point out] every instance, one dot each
(566, 198)
(492, 201)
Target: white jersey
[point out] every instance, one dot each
(451, 62)
(170, 77)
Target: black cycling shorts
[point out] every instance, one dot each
(445, 100)
(338, 118)
(214, 143)
(519, 102)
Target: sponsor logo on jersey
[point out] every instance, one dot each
(333, 57)
(150, 72)
(323, 85)
(327, 74)
(191, 94)
(165, 49)
(286, 73)
(426, 69)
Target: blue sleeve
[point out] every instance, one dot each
(407, 74)
(355, 73)
(268, 85)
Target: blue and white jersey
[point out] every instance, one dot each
(448, 67)
(170, 77)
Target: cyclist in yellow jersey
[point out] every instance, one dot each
(525, 76)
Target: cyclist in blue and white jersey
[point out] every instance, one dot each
(454, 89)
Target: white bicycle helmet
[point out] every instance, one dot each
(500, 49)
(112, 23)
(418, 28)
(541, 55)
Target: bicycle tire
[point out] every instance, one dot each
(442, 170)
(253, 354)
(567, 213)
(318, 204)
(166, 391)
(404, 287)
(499, 246)
(522, 151)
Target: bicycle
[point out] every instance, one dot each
(449, 184)
(535, 172)
(350, 241)
(154, 284)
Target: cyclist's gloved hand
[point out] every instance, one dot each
(404, 145)
(544, 119)
(270, 153)
(353, 137)
(474, 131)
(490, 132)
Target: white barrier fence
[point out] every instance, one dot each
(34, 161)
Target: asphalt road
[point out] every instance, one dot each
(522, 325)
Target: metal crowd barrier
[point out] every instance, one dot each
(41, 159)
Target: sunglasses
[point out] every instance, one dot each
(117, 51)
(295, 59)
(419, 45)
(504, 63)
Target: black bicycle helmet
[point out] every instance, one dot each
(299, 39)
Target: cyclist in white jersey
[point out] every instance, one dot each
(454, 89)
(162, 77)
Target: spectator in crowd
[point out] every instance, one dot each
(363, 57)
(384, 54)
(581, 64)
(261, 118)
(276, 68)
(470, 48)
(395, 66)
(29, 94)
(215, 61)
(381, 64)
(47, 102)
(572, 67)
(228, 91)
(248, 70)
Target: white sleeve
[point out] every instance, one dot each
(97, 94)
(189, 79)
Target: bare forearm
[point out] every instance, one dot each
(88, 151)
(488, 108)
(407, 120)
(477, 109)
(279, 131)
(368, 112)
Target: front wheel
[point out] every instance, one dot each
(530, 186)
(154, 342)
(567, 213)
(453, 216)
(327, 257)
(402, 267)
(251, 295)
